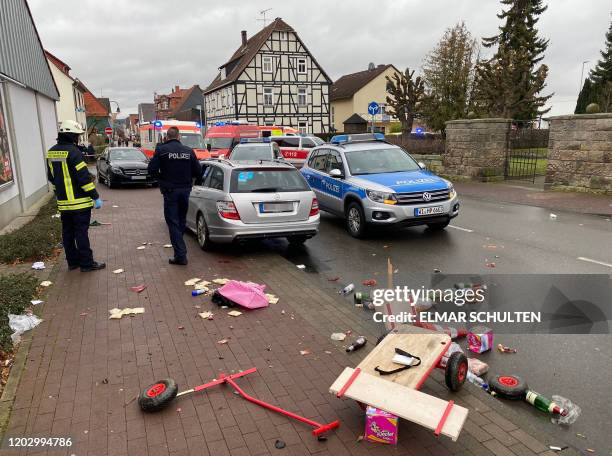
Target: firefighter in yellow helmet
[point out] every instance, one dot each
(75, 193)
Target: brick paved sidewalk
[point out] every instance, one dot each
(83, 370)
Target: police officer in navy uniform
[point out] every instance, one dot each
(75, 193)
(175, 165)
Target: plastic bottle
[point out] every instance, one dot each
(476, 380)
(197, 292)
(346, 290)
(544, 404)
(359, 342)
(362, 297)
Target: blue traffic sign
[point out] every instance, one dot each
(373, 108)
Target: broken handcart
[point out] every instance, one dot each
(366, 385)
(159, 395)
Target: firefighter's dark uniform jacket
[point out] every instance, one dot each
(175, 165)
(71, 180)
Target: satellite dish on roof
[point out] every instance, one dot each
(371, 66)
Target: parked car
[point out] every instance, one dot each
(255, 149)
(251, 200)
(295, 149)
(370, 182)
(123, 166)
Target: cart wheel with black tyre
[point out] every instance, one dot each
(456, 371)
(158, 395)
(508, 386)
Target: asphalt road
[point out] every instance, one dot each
(527, 241)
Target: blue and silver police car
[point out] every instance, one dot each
(370, 182)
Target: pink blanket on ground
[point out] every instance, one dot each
(246, 294)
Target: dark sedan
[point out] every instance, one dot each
(123, 166)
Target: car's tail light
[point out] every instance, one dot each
(314, 208)
(227, 210)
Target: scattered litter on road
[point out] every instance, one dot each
(553, 216)
(590, 450)
(380, 426)
(221, 281)
(582, 436)
(300, 266)
(480, 339)
(181, 327)
(140, 247)
(338, 336)
(46, 283)
(279, 444)
(206, 315)
(272, 299)
(83, 314)
(369, 282)
(116, 314)
(38, 265)
(58, 215)
(327, 352)
(504, 349)
(359, 343)
(234, 313)
(199, 291)
(573, 411)
(477, 367)
(192, 282)
(36, 302)
(245, 294)
(362, 297)
(138, 288)
(20, 324)
(117, 271)
(490, 265)
(96, 223)
(167, 246)
(222, 341)
(436, 271)
(347, 290)
(203, 285)
(490, 246)
(557, 448)
(333, 279)
(114, 205)
(305, 352)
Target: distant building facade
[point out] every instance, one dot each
(98, 113)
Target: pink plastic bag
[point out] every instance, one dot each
(246, 294)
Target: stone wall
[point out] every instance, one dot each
(476, 148)
(580, 153)
(432, 161)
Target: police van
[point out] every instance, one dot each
(370, 182)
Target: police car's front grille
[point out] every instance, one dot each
(417, 197)
(135, 172)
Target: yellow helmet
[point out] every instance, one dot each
(71, 126)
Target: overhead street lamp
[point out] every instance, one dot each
(113, 116)
(581, 76)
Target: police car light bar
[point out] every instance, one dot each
(254, 140)
(344, 139)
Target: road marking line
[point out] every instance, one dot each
(461, 229)
(589, 260)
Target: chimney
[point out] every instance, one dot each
(177, 88)
(244, 37)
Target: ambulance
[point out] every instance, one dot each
(221, 137)
(153, 133)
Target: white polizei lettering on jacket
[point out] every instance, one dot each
(181, 156)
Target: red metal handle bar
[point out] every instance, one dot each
(222, 378)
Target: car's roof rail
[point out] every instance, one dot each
(220, 160)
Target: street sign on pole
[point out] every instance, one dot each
(373, 109)
(108, 130)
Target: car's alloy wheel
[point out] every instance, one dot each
(355, 220)
(202, 233)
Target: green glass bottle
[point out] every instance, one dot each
(544, 404)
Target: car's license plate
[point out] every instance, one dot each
(139, 177)
(429, 210)
(265, 208)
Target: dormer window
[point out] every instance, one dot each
(223, 75)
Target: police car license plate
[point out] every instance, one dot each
(275, 207)
(428, 210)
(139, 177)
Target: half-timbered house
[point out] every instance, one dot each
(272, 79)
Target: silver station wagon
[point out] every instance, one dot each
(251, 200)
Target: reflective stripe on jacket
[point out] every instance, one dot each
(74, 187)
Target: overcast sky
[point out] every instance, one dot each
(128, 49)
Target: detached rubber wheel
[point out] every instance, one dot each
(456, 371)
(202, 234)
(297, 240)
(438, 226)
(355, 220)
(508, 386)
(158, 395)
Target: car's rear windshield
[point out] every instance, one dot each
(267, 180)
(259, 152)
(377, 161)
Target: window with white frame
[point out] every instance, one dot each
(267, 64)
(303, 128)
(283, 36)
(268, 96)
(301, 96)
(301, 66)
(223, 99)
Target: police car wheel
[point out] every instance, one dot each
(202, 233)
(355, 220)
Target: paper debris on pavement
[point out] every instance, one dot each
(234, 313)
(206, 315)
(20, 324)
(39, 265)
(203, 285)
(192, 282)
(117, 271)
(338, 336)
(118, 313)
(167, 246)
(114, 205)
(36, 302)
(301, 266)
(221, 281)
(222, 341)
(46, 283)
(272, 299)
(140, 247)
(305, 352)
(138, 288)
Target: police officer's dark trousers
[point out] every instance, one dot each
(176, 201)
(75, 237)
